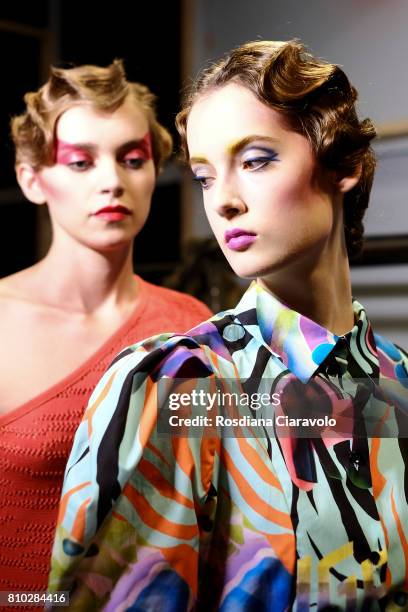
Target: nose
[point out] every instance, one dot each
(111, 181)
(228, 200)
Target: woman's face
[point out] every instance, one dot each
(262, 188)
(99, 189)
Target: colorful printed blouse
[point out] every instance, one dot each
(297, 502)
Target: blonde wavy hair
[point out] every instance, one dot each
(33, 132)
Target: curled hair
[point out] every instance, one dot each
(316, 100)
(104, 89)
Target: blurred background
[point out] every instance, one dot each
(164, 45)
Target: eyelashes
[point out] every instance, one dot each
(259, 158)
(80, 158)
(259, 162)
(135, 158)
(81, 165)
(253, 163)
(134, 163)
(204, 181)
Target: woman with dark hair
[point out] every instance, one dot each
(253, 463)
(89, 146)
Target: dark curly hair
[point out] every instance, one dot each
(105, 89)
(316, 100)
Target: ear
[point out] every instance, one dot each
(29, 182)
(346, 183)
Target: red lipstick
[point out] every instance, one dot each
(238, 239)
(113, 213)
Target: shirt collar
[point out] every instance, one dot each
(300, 343)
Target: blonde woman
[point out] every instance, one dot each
(89, 147)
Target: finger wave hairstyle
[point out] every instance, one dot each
(317, 101)
(105, 89)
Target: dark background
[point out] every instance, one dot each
(33, 35)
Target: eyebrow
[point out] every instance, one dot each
(198, 160)
(90, 146)
(62, 144)
(142, 143)
(238, 146)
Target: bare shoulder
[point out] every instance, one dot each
(9, 289)
(28, 334)
(181, 302)
(17, 292)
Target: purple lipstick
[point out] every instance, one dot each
(238, 239)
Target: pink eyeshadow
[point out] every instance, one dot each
(66, 153)
(144, 147)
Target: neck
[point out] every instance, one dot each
(320, 289)
(83, 279)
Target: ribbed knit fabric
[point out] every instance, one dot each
(36, 439)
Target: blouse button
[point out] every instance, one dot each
(233, 332)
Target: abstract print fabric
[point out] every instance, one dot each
(256, 516)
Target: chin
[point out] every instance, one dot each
(114, 238)
(247, 273)
(248, 268)
(110, 246)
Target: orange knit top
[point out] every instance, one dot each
(36, 439)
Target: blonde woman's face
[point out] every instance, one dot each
(99, 189)
(259, 181)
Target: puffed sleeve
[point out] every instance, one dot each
(128, 524)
